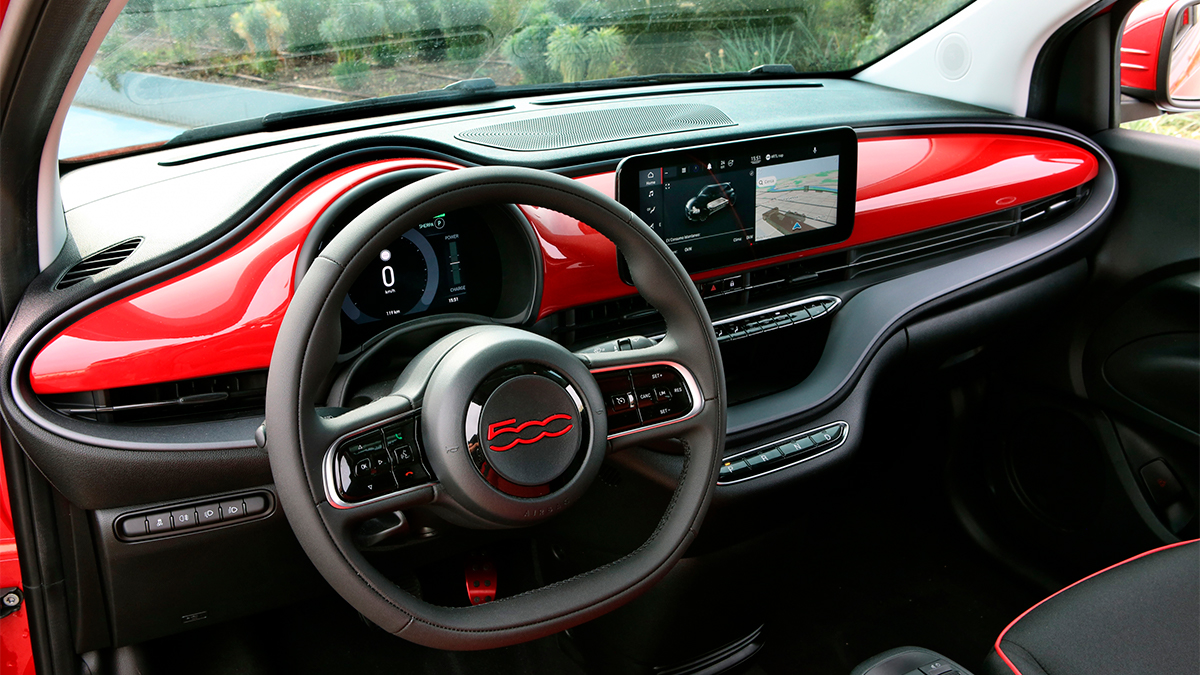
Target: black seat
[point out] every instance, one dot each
(1141, 617)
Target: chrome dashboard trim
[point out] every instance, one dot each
(774, 444)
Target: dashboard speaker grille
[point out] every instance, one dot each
(570, 130)
(98, 262)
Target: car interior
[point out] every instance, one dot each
(890, 368)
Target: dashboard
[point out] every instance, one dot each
(168, 347)
(839, 222)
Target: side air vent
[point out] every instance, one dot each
(569, 130)
(98, 262)
(195, 400)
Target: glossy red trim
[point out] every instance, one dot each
(1141, 42)
(221, 317)
(905, 184)
(1004, 632)
(16, 650)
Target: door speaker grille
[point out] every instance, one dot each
(569, 130)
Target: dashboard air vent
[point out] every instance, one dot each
(569, 130)
(199, 399)
(98, 262)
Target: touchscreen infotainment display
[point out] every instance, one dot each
(720, 205)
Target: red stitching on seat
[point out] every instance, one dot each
(1094, 574)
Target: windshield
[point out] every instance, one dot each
(172, 65)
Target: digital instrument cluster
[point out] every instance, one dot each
(448, 264)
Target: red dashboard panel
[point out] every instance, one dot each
(223, 316)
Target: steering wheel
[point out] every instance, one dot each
(513, 426)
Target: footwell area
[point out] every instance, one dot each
(328, 636)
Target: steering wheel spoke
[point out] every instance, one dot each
(372, 458)
(648, 393)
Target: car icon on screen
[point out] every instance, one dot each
(711, 199)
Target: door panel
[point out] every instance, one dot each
(1140, 362)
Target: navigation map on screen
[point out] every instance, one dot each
(795, 197)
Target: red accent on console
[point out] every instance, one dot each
(223, 316)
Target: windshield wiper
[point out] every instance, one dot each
(479, 90)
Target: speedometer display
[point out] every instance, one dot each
(421, 270)
(404, 279)
(440, 266)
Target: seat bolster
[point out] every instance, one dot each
(1138, 616)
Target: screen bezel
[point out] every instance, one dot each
(843, 138)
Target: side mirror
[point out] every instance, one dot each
(1160, 54)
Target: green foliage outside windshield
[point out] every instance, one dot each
(350, 49)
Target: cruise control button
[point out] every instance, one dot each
(159, 522)
(645, 397)
(621, 402)
(662, 394)
(659, 412)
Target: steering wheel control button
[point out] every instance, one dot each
(658, 393)
(378, 462)
(184, 519)
(781, 454)
(530, 430)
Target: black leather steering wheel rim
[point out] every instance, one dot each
(297, 437)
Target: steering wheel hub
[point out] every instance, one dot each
(530, 429)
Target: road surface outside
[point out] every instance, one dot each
(795, 197)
